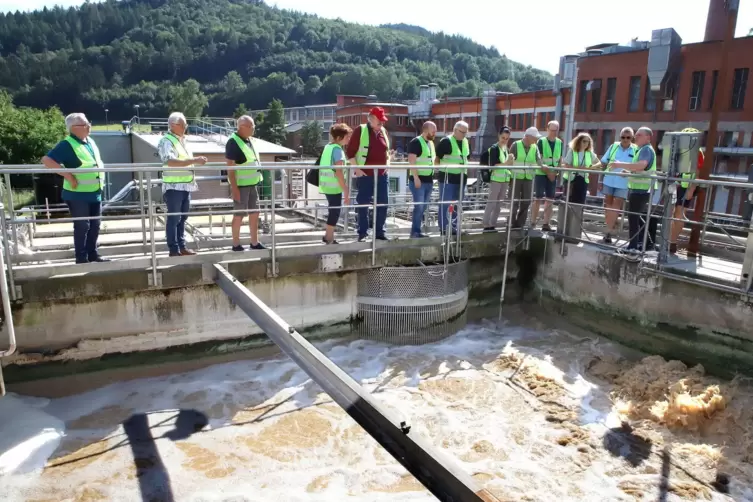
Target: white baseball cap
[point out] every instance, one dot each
(532, 131)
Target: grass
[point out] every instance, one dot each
(118, 127)
(21, 197)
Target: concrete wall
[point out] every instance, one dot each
(115, 147)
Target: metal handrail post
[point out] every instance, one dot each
(648, 221)
(507, 248)
(151, 229)
(11, 207)
(7, 312)
(459, 216)
(6, 246)
(272, 229)
(374, 222)
(141, 210)
(567, 207)
(706, 203)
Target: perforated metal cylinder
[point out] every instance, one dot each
(412, 304)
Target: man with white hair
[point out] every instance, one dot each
(639, 195)
(524, 152)
(77, 159)
(545, 181)
(177, 182)
(240, 151)
(452, 159)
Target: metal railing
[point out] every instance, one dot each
(719, 232)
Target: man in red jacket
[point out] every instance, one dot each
(369, 146)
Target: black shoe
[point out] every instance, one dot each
(672, 248)
(333, 241)
(546, 228)
(489, 229)
(97, 259)
(257, 246)
(418, 236)
(175, 253)
(382, 238)
(362, 238)
(81, 261)
(607, 239)
(238, 248)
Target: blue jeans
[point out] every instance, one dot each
(448, 192)
(421, 198)
(178, 201)
(365, 197)
(85, 232)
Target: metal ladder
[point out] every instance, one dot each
(7, 313)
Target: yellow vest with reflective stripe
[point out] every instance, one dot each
(328, 182)
(456, 157)
(500, 175)
(91, 180)
(177, 174)
(549, 158)
(527, 159)
(587, 162)
(427, 157)
(637, 183)
(363, 147)
(246, 177)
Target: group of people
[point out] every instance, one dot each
(369, 145)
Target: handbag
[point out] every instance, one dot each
(312, 176)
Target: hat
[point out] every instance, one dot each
(532, 131)
(378, 112)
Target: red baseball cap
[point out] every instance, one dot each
(378, 112)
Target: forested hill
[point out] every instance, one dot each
(117, 54)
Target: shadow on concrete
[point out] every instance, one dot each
(154, 480)
(621, 442)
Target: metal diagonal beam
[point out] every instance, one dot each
(435, 470)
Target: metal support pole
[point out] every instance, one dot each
(433, 468)
(648, 220)
(567, 206)
(6, 246)
(272, 229)
(374, 222)
(720, 100)
(710, 188)
(458, 227)
(7, 312)
(151, 228)
(11, 207)
(747, 270)
(141, 210)
(507, 248)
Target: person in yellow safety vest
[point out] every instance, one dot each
(639, 197)
(77, 160)
(332, 180)
(421, 157)
(497, 155)
(452, 159)
(613, 186)
(370, 146)
(177, 182)
(685, 194)
(545, 181)
(580, 155)
(240, 151)
(525, 152)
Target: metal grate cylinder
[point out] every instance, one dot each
(412, 304)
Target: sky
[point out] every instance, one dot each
(576, 24)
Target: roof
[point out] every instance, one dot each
(215, 143)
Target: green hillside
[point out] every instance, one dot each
(118, 54)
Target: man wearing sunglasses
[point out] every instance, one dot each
(77, 159)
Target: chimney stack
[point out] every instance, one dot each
(716, 21)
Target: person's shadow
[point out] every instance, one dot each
(154, 480)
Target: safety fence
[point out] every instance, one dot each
(726, 237)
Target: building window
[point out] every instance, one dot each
(611, 91)
(529, 120)
(696, 90)
(607, 138)
(541, 121)
(738, 88)
(634, 98)
(649, 102)
(596, 95)
(714, 80)
(582, 92)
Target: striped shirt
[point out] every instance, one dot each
(167, 152)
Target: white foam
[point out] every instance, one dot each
(441, 389)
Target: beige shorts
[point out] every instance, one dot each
(249, 198)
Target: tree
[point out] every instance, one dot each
(507, 86)
(272, 128)
(27, 133)
(188, 98)
(240, 111)
(311, 138)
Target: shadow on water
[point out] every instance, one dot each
(621, 442)
(154, 480)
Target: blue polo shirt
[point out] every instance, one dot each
(64, 155)
(623, 155)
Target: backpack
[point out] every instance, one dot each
(312, 176)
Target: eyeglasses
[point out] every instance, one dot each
(461, 131)
(626, 137)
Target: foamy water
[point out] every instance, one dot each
(513, 405)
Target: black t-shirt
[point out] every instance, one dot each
(233, 151)
(490, 158)
(445, 148)
(414, 147)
